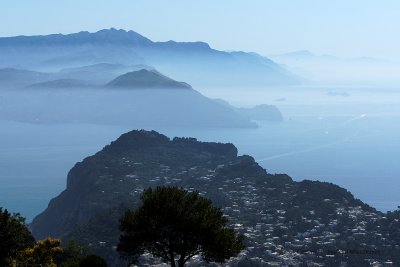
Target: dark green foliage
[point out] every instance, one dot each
(106, 225)
(92, 261)
(173, 223)
(73, 254)
(14, 236)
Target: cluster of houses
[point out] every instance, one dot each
(272, 237)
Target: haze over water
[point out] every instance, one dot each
(348, 139)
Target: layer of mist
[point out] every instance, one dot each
(329, 69)
(136, 108)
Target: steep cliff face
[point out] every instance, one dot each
(108, 178)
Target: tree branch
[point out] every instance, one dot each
(160, 247)
(192, 254)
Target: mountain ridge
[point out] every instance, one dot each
(82, 37)
(195, 62)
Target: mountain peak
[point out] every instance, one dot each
(146, 79)
(137, 139)
(119, 36)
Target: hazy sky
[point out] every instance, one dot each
(344, 28)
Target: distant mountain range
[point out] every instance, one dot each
(141, 98)
(117, 59)
(194, 62)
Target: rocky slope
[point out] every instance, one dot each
(285, 222)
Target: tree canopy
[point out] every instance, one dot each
(44, 253)
(175, 225)
(14, 236)
(72, 254)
